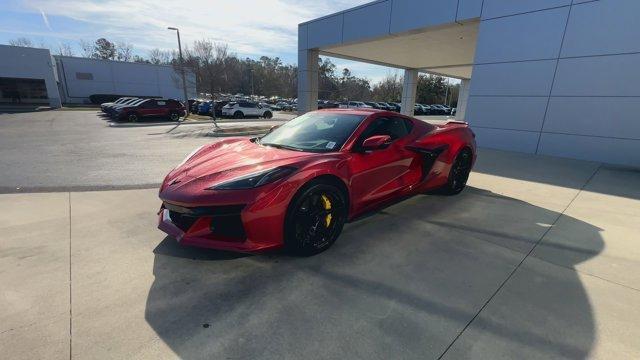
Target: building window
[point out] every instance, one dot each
(84, 76)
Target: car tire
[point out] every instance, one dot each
(133, 117)
(267, 115)
(174, 116)
(238, 115)
(315, 218)
(459, 173)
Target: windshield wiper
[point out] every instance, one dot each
(280, 146)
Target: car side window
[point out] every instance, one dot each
(407, 123)
(161, 103)
(394, 127)
(150, 104)
(251, 105)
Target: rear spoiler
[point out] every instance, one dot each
(461, 122)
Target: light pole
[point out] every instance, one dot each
(252, 92)
(184, 79)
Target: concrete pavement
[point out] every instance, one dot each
(77, 150)
(537, 259)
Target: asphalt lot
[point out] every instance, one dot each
(78, 150)
(538, 259)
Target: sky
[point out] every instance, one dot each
(251, 28)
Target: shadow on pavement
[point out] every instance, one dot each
(402, 283)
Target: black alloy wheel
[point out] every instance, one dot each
(315, 219)
(174, 116)
(133, 117)
(459, 173)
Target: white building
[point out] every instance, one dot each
(555, 77)
(34, 76)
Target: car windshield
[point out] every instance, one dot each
(314, 132)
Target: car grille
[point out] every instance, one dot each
(225, 221)
(182, 221)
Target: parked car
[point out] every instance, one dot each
(108, 107)
(418, 109)
(217, 108)
(242, 109)
(195, 106)
(260, 197)
(284, 106)
(373, 104)
(121, 100)
(111, 110)
(169, 109)
(384, 106)
(354, 105)
(205, 108)
(426, 109)
(394, 106)
(440, 109)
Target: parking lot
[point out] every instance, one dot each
(538, 258)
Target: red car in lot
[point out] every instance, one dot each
(151, 108)
(297, 186)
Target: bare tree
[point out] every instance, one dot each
(21, 41)
(158, 57)
(65, 49)
(124, 51)
(87, 48)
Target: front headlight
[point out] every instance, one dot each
(256, 179)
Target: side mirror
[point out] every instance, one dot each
(376, 142)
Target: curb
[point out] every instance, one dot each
(164, 123)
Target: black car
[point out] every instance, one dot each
(418, 110)
(217, 107)
(395, 106)
(384, 106)
(426, 109)
(194, 105)
(373, 104)
(439, 110)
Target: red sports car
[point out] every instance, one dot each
(297, 186)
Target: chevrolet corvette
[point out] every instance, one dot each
(297, 186)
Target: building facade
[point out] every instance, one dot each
(34, 76)
(28, 76)
(554, 77)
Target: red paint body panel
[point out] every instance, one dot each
(372, 178)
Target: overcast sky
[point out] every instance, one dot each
(251, 27)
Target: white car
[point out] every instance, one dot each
(242, 109)
(354, 105)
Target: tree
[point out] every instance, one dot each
(21, 41)
(159, 57)
(124, 51)
(87, 48)
(64, 49)
(104, 49)
(388, 89)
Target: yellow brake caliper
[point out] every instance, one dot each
(327, 206)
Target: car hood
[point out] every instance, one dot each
(231, 159)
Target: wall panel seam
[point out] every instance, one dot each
(553, 81)
(526, 12)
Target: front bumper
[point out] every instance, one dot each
(213, 232)
(243, 221)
